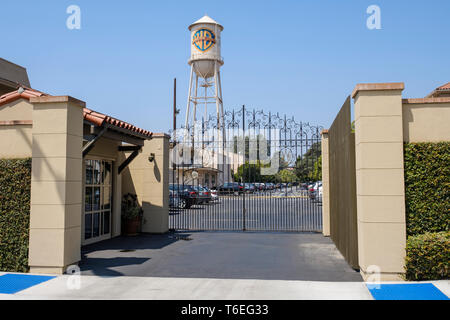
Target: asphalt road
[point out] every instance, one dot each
(276, 212)
(220, 255)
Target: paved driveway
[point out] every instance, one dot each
(220, 255)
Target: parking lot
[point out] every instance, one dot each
(279, 210)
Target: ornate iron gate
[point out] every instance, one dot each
(260, 172)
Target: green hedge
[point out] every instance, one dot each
(428, 256)
(427, 187)
(15, 186)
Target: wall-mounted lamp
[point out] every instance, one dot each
(151, 158)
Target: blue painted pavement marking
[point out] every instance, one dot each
(13, 283)
(407, 291)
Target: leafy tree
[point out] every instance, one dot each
(251, 172)
(286, 175)
(317, 173)
(304, 167)
(248, 172)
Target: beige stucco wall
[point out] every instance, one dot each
(105, 149)
(20, 109)
(150, 182)
(325, 186)
(426, 122)
(380, 180)
(56, 184)
(15, 140)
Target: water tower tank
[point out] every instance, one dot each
(205, 46)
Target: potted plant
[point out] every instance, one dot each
(131, 215)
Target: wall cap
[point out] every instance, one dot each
(426, 100)
(52, 99)
(160, 135)
(324, 131)
(377, 87)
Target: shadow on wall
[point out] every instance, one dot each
(154, 216)
(43, 162)
(156, 171)
(408, 117)
(127, 181)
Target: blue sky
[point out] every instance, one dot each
(298, 57)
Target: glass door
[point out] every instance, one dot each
(97, 201)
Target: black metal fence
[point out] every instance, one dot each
(250, 171)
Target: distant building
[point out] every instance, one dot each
(440, 92)
(12, 76)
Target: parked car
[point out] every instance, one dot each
(174, 199)
(316, 194)
(313, 190)
(231, 188)
(214, 194)
(249, 187)
(204, 195)
(304, 186)
(270, 185)
(259, 186)
(186, 193)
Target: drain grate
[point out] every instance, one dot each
(127, 250)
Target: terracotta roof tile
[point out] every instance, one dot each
(444, 87)
(25, 93)
(99, 119)
(89, 115)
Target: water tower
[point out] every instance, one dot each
(205, 61)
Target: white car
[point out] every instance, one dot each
(315, 191)
(214, 195)
(319, 193)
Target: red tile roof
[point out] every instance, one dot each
(99, 119)
(444, 87)
(94, 117)
(25, 93)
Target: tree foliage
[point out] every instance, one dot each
(286, 175)
(304, 167)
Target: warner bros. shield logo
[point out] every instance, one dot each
(204, 39)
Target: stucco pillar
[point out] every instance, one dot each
(325, 185)
(56, 183)
(380, 179)
(150, 182)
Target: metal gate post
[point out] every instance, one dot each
(243, 171)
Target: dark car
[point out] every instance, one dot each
(187, 195)
(231, 188)
(204, 195)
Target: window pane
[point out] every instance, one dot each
(96, 199)
(96, 225)
(88, 199)
(106, 205)
(107, 173)
(88, 172)
(88, 226)
(106, 220)
(97, 171)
